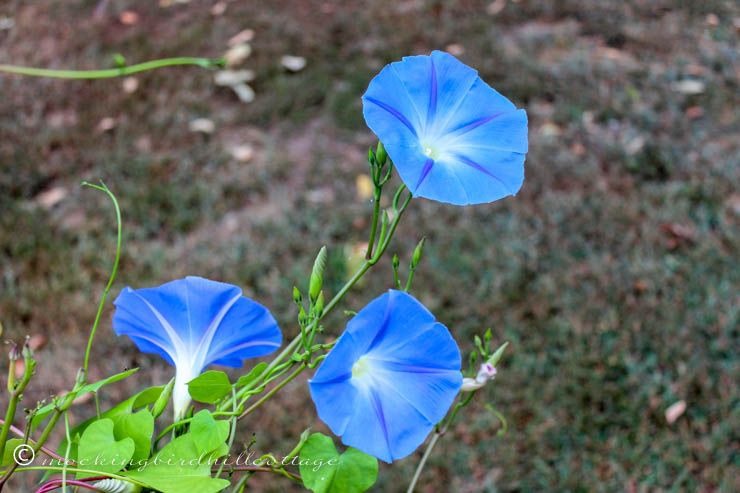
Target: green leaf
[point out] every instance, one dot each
(10, 446)
(94, 387)
(143, 398)
(207, 432)
(253, 374)
(356, 472)
(98, 449)
(179, 467)
(46, 410)
(323, 470)
(318, 460)
(210, 387)
(139, 427)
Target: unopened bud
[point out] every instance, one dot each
(380, 155)
(487, 372)
(496, 356)
(417, 253)
(319, 306)
(297, 296)
(164, 398)
(317, 275)
(15, 353)
(27, 351)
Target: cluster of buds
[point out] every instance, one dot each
(487, 369)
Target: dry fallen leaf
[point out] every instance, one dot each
(202, 125)
(237, 54)
(293, 63)
(106, 124)
(219, 8)
(681, 231)
(243, 153)
(130, 85)
(455, 49)
(244, 92)
(496, 7)
(129, 18)
(675, 411)
(231, 78)
(51, 197)
(688, 86)
(244, 36)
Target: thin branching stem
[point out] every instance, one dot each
(112, 72)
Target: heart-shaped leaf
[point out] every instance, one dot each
(98, 449)
(180, 466)
(208, 433)
(209, 387)
(324, 471)
(139, 427)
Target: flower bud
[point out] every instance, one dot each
(380, 155)
(319, 306)
(417, 252)
(302, 317)
(317, 275)
(487, 372)
(15, 353)
(163, 399)
(496, 356)
(297, 296)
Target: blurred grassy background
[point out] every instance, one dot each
(613, 273)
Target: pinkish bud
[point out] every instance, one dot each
(487, 372)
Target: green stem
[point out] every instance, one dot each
(105, 189)
(374, 224)
(423, 462)
(290, 348)
(233, 431)
(437, 435)
(66, 453)
(45, 450)
(16, 393)
(272, 391)
(112, 72)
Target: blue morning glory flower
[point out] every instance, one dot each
(194, 323)
(391, 377)
(450, 135)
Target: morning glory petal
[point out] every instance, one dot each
(141, 319)
(391, 377)
(481, 103)
(455, 82)
(229, 343)
(458, 148)
(388, 104)
(193, 323)
(384, 425)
